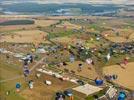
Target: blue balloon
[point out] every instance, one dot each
(122, 96)
(18, 85)
(99, 82)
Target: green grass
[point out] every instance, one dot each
(4, 87)
(96, 27)
(61, 34)
(8, 71)
(99, 94)
(92, 43)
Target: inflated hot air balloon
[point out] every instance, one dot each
(98, 81)
(122, 96)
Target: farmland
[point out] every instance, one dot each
(16, 22)
(75, 47)
(30, 36)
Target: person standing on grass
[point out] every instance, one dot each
(90, 62)
(80, 67)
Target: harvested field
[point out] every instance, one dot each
(131, 37)
(125, 76)
(44, 23)
(68, 25)
(85, 72)
(119, 35)
(66, 40)
(41, 91)
(117, 39)
(16, 27)
(62, 40)
(37, 23)
(30, 36)
(77, 17)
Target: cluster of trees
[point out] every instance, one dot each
(17, 22)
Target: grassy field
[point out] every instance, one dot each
(8, 71)
(25, 36)
(122, 73)
(64, 31)
(44, 23)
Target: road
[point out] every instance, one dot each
(21, 76)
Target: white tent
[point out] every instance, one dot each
(87, 89)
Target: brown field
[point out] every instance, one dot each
(131, 37)
(43, 92)
(66, 40)
(62, 40)
(42, 23)
(125, 76)
(69, 25)
(125, 35)
(126, 13)
(30, 36)
(86, 72)
(50, 17)
(16, 27)
(77, 17)
(117, 39)
(45, 23)
(14, 34)
(114, 22)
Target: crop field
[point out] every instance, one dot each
(67, 25)
(39, 92)
(30, 36)
(44, 23)
(52, 41)
(16, 22)
(87, 71)
(120, 35)
(122, 73)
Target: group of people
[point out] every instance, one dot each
(111, 77)
(124, 62)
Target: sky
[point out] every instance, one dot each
(74, 1)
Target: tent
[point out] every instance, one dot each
(98, 81)
(89, 61)
(72, 58)
(122, 96)
(30, 84)
(108, 56)
(18, 86)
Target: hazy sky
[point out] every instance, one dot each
(88, 1)
(77, 1)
